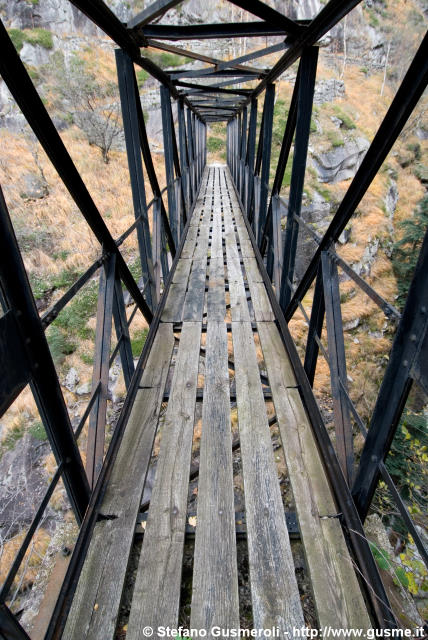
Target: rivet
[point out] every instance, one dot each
(405, 363)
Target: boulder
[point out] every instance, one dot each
(71, 379)
(340, 163)
(35, 188)
(328, 90)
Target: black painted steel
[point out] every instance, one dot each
(395, 386)
(128, 99)
(20, 85)
(337, 363)
(303, 123)
(45, 385)
(411, 89)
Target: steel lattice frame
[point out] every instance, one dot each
(222, 99)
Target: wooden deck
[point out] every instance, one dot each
(218, 297)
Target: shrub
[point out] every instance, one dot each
(41, 37)
(138, 341)
(214, 144)
(59, 343)
(18, 38)
(348, 123)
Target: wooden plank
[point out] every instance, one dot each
(201, 249)
(182, 270)
(157, 586)
(95, 607)
(252, 269)
(216, 249)
(234, 271)
(245, 242)
(274, 591)
(215, 577)
(194, 300)
(173, 309)
(336, 591)
(189, 243)
(261, 305)
(216, 304)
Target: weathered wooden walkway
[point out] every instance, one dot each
(216, 290)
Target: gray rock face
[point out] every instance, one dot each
(59, 16)
(340, 163)
(71, 379)
(391, 199)
(22, 484)
(35, 187)
(328, 90)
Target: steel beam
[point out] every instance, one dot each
(315, 328)
(150, 13)
(330, 15)
(18, 296)
(97, 419)
(193, 55)
(204, 31)
(266, 151)
(396, 385)
(303, 123)
(269, 15)
(406, 98)
(128, 100)
(21, 87)
(337, 364)
(169, 160)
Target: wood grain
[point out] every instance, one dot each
(336, 590)
(274, 591)
(215, 577)
(95, 607)
(157, 587)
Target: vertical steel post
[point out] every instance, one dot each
(251, 149)
(337, 361)
(315, 327)
(303, 124)
(128, 100)
(407, 361)
(97, 418)
(287, 140)
(122, 331)
(18, 296)
(242, 153)
(184, 158)
(169, 160)
(266, 151)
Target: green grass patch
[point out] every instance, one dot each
(347, 121)
(38, 432)
(38, 36)
(334, 139)
(76, 314)
(41, 37)
(166, 59)
(60, 344)
(214, 144)
(18, 38)
(142, 76)
(13, 436)
(138, 342)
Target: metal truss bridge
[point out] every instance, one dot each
(219, 287)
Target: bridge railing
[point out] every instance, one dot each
(25, 356)
(265, 211)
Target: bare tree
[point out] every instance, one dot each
(93, 105)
